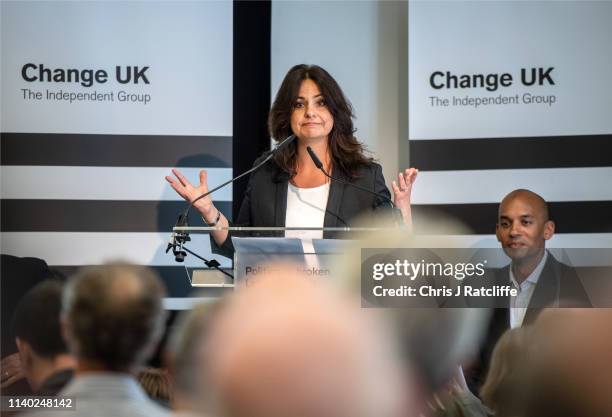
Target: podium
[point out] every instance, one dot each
(256, 248)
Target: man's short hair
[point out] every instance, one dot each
(114, 314)
(522, 192)
(37, 319)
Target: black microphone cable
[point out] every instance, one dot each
(319, 165)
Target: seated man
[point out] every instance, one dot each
(44, 356)
(523, 227)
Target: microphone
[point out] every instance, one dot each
(178, 238)
(316, 160)
(319, 165)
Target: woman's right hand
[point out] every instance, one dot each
(189, 192)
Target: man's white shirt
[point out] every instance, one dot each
(519, 304)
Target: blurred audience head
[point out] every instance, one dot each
(113, 316)
(289, 346)
(573, 364)
(435, 342)
(507, 374)
(183, 355)
(156, 383)
(36, 325)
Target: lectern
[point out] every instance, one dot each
(258, 247)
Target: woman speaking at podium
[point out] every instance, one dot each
(290, 190)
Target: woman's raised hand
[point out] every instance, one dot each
(402, 193)
(402, 189)
(190, 192)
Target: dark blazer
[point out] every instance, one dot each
(558, 285)
(55, 383)
(265, 200)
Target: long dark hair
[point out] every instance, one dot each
(347, 153)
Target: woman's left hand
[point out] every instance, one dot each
(402, 193)
(402, 189)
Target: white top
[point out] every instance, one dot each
(102, 394)
(306, 208)
(518, 304)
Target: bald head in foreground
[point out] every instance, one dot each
(287, 346)
(573, 363)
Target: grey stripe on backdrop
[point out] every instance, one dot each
(97, 215)
(512, 153)
(52, 149)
